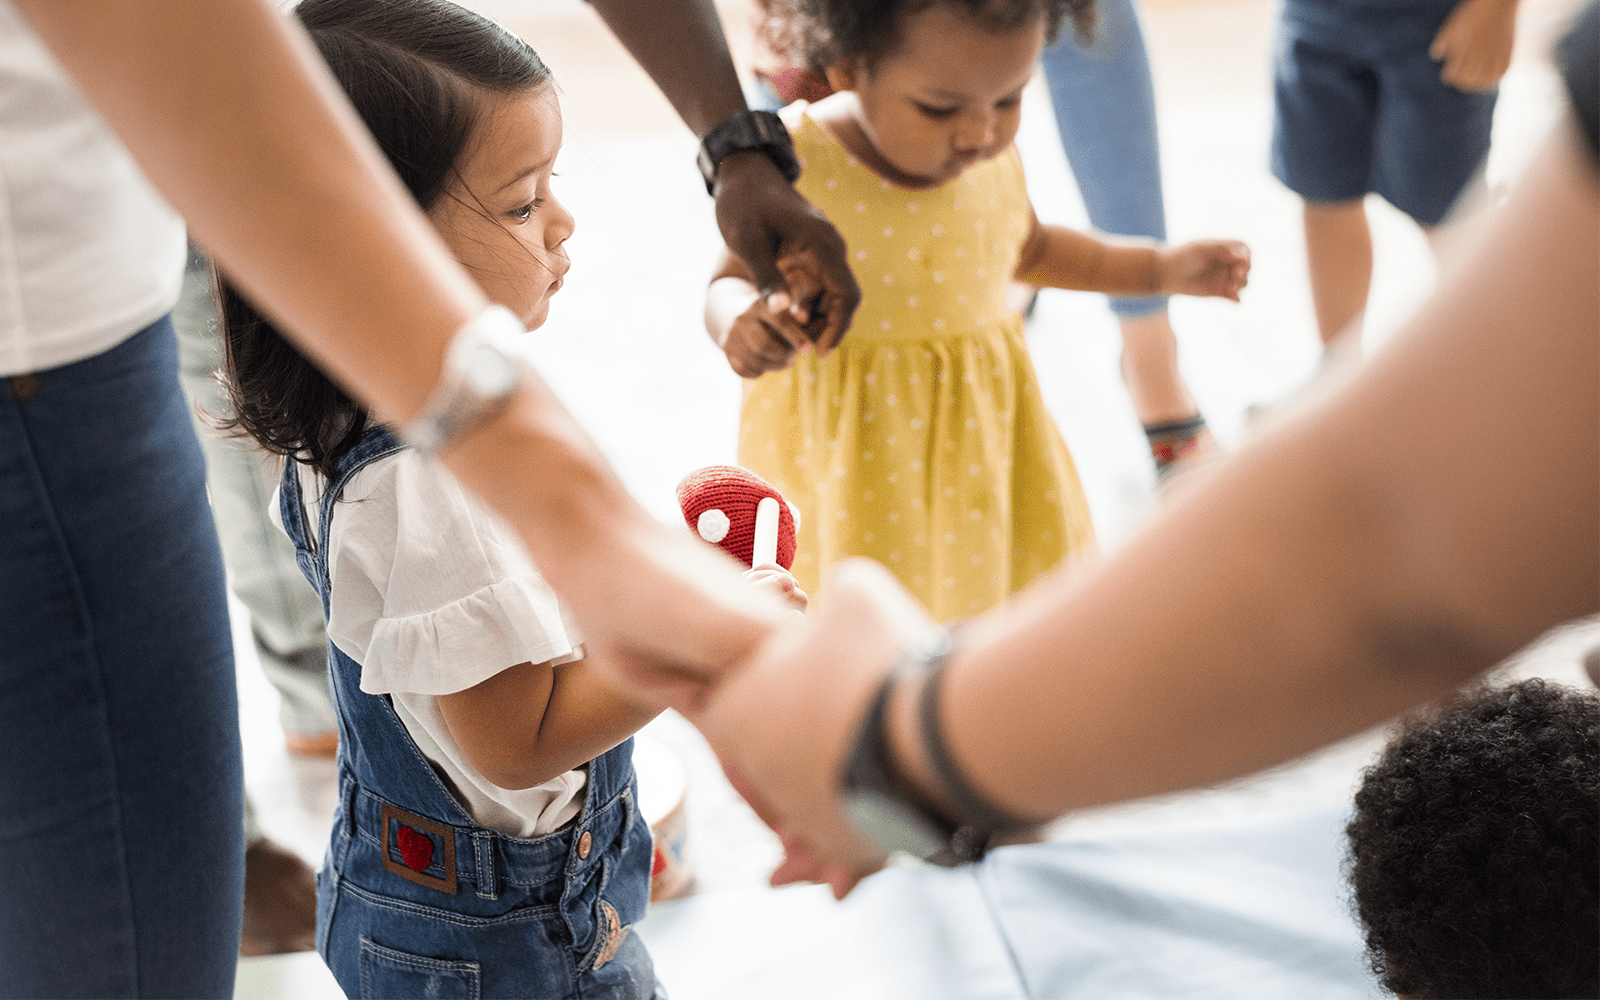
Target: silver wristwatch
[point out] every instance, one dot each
(483, 367)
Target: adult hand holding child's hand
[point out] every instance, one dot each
(763, 336)
(783, 722)
(796, 256)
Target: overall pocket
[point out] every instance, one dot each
(387, 973)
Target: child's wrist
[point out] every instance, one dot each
(1162, 258)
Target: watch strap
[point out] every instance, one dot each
(909, 827)
(747, 131)
(972, 809)
(463, 398)
(966, 834)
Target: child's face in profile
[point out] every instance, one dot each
(949, 97)
(500, 218)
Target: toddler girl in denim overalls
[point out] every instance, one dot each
(488, 840)
(416, 897)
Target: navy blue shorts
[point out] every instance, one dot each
(1359, 107)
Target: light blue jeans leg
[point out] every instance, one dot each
(285, 613)
(1105, 109)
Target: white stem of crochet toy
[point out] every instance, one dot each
(765, 549)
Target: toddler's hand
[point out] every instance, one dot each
(1475, 43)
(788, 246)
(1206, 267)
(775, 578)
(764, 337)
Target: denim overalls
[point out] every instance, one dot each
(415, 899)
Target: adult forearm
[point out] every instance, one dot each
(680, 43)
(1362, 558)
(233, 117)
(230, 112)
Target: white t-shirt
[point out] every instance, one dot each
(90, 254)
(433, 593)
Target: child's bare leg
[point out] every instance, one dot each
(1150, 369)
(1161, 399)
(1339, 257)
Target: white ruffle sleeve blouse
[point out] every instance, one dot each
(433, 593)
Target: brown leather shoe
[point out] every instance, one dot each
(280, 901)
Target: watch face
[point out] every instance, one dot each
(891, 825)
(490, 373)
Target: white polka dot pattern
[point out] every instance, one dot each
(922, 440)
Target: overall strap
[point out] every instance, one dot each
(311, 545)
(374, 745)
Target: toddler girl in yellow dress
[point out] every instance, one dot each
(921, 440)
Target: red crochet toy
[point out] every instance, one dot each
(724, 505)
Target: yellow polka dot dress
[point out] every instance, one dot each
(922, 440)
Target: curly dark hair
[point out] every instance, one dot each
(416, 72)
(1475, 848)
(822, 33)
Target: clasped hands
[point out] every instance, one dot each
(805, 295)
(783, 717)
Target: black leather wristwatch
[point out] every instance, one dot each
(893, 816)
(760, 131)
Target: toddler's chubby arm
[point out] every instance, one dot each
(1058, 257)
(758, 335)
(534, 721)
(1474, 44)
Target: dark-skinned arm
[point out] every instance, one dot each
(1058, 257)
(796, 257)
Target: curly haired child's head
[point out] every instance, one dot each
(821, 33)
(1475, 848)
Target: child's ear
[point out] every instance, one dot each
(841, 75)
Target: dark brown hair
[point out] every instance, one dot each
(822, 33)
(1475, 848)
(417, 72)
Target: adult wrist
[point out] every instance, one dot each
(483, 368)
(743, 132)
(901, 786)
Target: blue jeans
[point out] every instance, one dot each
(1105, 109)
(285, 613)
(121, 850)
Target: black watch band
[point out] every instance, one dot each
(891, 814)
(747, 131)
(972, 808)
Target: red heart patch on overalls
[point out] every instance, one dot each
(416, 849)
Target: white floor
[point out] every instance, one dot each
(626, 350)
